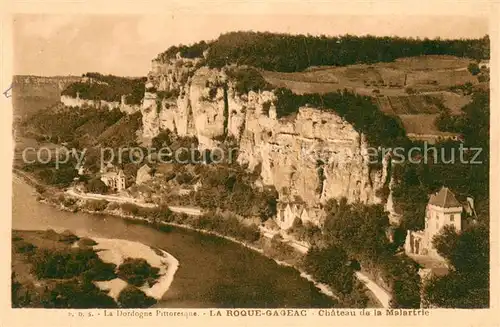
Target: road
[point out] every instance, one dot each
(122, 199)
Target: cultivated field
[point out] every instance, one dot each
(416, 89)
(406, 86)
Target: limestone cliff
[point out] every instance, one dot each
(313, 155)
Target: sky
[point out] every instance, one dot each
(48, 44)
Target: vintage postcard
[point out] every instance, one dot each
(236, 163)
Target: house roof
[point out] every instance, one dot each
(444, 199)
(145, 167)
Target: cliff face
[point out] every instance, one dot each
(78, 102)
(313, 155)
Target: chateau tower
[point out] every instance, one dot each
(443, 209)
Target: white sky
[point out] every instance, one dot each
(125, 44)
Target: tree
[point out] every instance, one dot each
(96, 186)
(467, 285)
(137, 272)
(473, 68)
(330, 265)
(446, 242)
(132, 297)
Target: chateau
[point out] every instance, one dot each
(442, 210)
(113, 179)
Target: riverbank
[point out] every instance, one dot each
(258, 246)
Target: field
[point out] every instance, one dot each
(415, 89)
(406, 86)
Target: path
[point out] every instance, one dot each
(122, 199)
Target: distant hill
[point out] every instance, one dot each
(33, 93)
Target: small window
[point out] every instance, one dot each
(437, 225)
(452, 218)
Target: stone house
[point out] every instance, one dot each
(443, 209)
(115, 180)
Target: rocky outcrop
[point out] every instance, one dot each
(312, 155)
(79, 102)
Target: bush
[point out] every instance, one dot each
(329, 266)
(96, 186)
(24, 247)
(71, 295)
(473, 68)
(131, 297)
(130, 208)
(67, 237)
(137, 272)
(100, 271)
(63, 264)
(40, 189)
(96, 205)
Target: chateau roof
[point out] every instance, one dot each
(444, 199)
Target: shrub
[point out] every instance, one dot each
(113, 206)
(100, 271)
(67, 237)
(24, 247)
(131, 297)
(473, 68)
(63, 264)
(40, 189)
(71, 295)
(130, 208)
(96, 205)
(96, 186)
(137, 272)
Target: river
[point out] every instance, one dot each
(213, 272)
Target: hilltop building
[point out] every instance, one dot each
(442, 210)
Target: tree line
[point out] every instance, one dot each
(291, 53)
(111, 88)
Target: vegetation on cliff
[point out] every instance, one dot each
(360, 111)
(108, 88)
(290, 53)
(186, 51)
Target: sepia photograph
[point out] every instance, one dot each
(250, 162)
